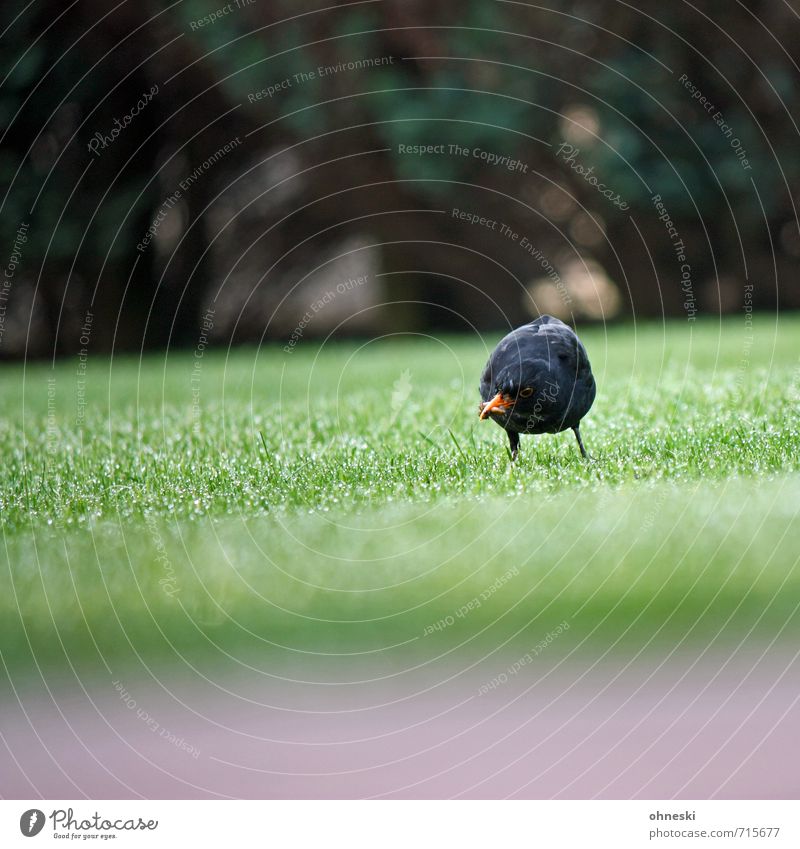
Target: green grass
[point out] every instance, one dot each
(348, 499)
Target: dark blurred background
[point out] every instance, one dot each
(250, 160)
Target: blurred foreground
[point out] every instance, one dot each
(316, 574)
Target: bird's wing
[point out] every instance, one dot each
(546, 345)
(557, 341)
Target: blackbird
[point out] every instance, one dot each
(538, 380)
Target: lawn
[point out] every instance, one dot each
(345, 499)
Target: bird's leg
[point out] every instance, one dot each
(580, 441)
(513, 438)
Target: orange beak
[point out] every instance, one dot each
(499, 404)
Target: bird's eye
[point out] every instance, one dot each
(526, 392)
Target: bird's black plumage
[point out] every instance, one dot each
(538, 380)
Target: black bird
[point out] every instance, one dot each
(538, 380)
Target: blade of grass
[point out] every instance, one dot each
(427, 439)
(455, 442)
